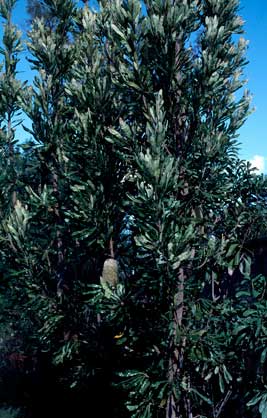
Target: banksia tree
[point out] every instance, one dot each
(37, 217)
(191, 201)
(70, 207)
(132, 241)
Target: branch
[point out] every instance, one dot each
(219, 407)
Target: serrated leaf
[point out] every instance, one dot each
(231, 250)
(221, 383)
(203, 397)
(118, 31)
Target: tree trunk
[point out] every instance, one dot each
(176, 351)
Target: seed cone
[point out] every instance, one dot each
(110, 272)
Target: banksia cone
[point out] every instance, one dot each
(110, 272)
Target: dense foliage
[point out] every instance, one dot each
(127, 219)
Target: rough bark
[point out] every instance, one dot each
(176, 351)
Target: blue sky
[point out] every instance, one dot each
(253, 135)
